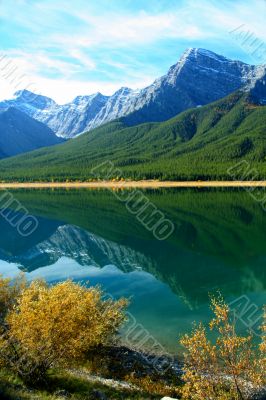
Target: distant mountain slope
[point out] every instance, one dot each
(28, 102)
(20, 133)
(65, 120)
(72, 118)
(199, 143)
(2, 154)
(198, 78)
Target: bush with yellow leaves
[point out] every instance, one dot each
(9, 295)
(46, 326)
(226, 369)
(262, 359)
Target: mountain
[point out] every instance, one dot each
(198, 78)
(63, 120)
(200, 143)
(119, 104)
(28, 102)
(19, 133)
(72, 118)
(257, 87)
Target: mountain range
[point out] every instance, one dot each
(200, 143)
(198, 78)
(217, 116)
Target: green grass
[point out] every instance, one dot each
(200, 143)
(70, 387)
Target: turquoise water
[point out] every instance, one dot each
(218, 244)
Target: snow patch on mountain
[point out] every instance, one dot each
(198, 78)
(83, 247)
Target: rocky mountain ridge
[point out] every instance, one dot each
(198, 78)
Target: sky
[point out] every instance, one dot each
(63, 49)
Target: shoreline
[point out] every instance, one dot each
(148, 184)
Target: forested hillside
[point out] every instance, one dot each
(201, 143)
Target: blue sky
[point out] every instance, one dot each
(61, 48)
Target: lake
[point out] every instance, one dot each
(218, 244)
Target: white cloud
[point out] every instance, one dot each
(192, 21)
(32, 63)
(63, 90)
(125, 30)
(221, 17)
(21, 70)
(112, 44)
(82, 58)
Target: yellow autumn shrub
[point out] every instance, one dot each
(262, 359)
(56, 325)
(227, 368)
(9, 293)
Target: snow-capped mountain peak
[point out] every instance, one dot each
(198, 78)
(35, 100)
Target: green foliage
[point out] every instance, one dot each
(200, 143)
(63, 385)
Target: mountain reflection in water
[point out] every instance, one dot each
(218, 244)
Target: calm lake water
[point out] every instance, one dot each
(219, 243)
